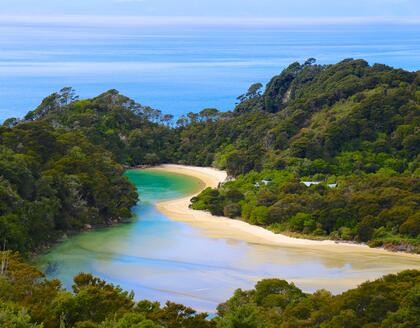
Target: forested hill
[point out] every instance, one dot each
(349, 124)
(320, 119)
(54, 181)
(351, 130)
(135, 134)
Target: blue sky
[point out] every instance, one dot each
(218, 8)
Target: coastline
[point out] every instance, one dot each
(222, 227)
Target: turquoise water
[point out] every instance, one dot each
(160, 259)
(178, 69)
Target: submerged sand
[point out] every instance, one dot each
(222, 227)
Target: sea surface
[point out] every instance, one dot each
(178, 69)
(160, 259)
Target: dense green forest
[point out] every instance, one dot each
(28, 300)
(54, 181)
(348, 125)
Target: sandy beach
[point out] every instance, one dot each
(222, 227)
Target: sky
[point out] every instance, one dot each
(372, 9)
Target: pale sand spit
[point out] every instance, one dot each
(222, 227)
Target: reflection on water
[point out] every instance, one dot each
(161, 260)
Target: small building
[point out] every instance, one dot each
(314, 183)
(263, 182)
(311, 183)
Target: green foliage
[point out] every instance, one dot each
(133, 133)
(259, 215)
(411, 226)
(232, 211)
(375, 208)
(93, 300)
(53, 181)
(13, 317)
(388, 302)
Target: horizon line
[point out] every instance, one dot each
(132, 20)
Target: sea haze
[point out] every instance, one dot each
(178, 69)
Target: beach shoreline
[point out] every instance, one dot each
(238, 230)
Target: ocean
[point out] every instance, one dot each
(178, 69)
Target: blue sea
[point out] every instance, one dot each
(178, 69)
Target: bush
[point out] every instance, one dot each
(232, 211)
(346, 233)
(259, 215)
(411, 226)
(319, 232)
(375, 243)
(302, 221)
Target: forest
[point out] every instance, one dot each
(28, 300)
(53, 182)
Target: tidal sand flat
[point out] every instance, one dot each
(199, 261)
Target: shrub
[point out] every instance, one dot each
(232, 211)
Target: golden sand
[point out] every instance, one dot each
(222, 227)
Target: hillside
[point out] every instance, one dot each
(53, 182)
(317, 119)
(351, 128)
(348, 125)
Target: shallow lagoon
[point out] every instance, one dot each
(160, 259)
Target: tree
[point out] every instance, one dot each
(232, 211)
(192, 116)
(11, 122)
(411, 226)
(12, 317)
(182, 122)
(167, 118)
(275, 292)
(365, 228)
(259, 215)
(254, 91)
(67, 95)
(94, 300)
(208, 114)
(309, 62)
